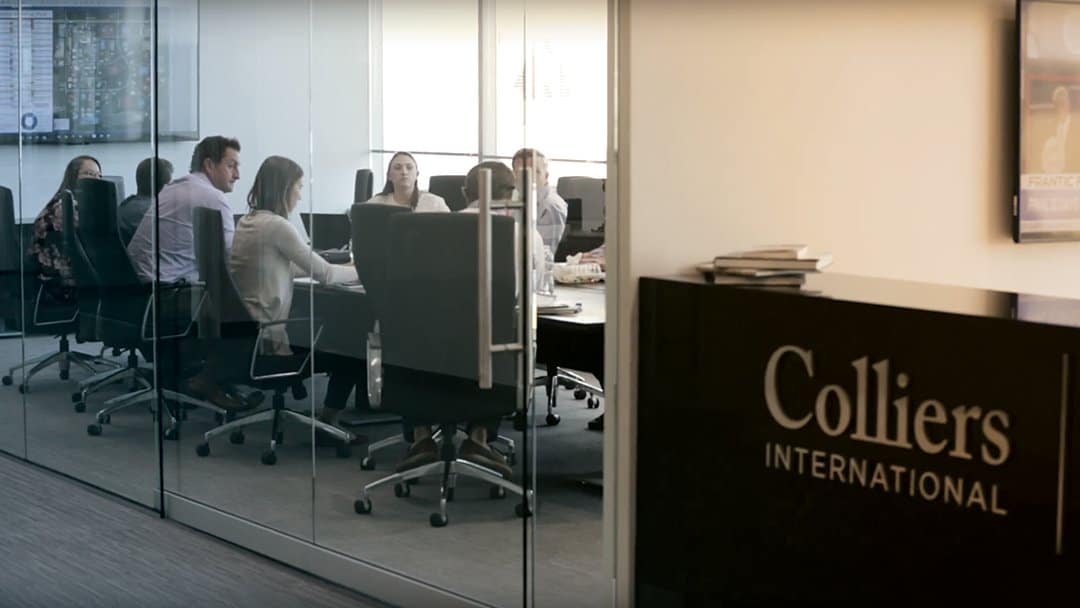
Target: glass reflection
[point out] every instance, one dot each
(85, 347)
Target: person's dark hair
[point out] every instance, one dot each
(147, 184)
(212, 147)
(71, 173)
(389, 187)
(502, 181)
(271, 188)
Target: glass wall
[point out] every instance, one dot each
(223, 315)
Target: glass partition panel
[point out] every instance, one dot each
(83, 122)
(435, 490)
(565, 90)
(225, 229)
(12, 244)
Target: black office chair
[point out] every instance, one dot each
(236, 335)
(328, 231)
(61, 318)
(449, 187)
(363, 185)
(11, 271)
(429, 342)
(125, 317)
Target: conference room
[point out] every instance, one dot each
(323, 278)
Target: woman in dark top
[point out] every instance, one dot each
(47, 246)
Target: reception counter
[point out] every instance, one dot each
(858, 441)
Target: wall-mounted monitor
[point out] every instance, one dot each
(1047, 202)
(80, 71)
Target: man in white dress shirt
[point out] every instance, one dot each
(215, 168)
(550, 207)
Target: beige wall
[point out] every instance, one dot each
(879, 130)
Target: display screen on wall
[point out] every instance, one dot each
(83, 72)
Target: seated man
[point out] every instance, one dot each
(475, 448)
(551, 209)
(215, 167)
(133, 208)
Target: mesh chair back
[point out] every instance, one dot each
(449, 187)
(363, 185)
(370, 247)
(429, 326)
(122, 295)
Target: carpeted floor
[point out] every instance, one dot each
(479, 554)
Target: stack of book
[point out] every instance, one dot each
(769, 266)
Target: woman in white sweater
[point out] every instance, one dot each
(267, 251)
(400, 189)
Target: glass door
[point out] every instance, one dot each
(427, 359)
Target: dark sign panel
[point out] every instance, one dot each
(813, 450)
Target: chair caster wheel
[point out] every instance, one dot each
(64, 374)
(362, 506)
(449, 494)
(521, 510)
(93, 430)
(171, 434)
(236, 437)
(203, 449)
(580, 394)
(497, 492)
(402, 490)
(269, 457)
(593, 403)
(344, 450)
(367, 464)
(438, 520)
(76, 397)
(104, 418)
(80, 406)
(553, 419)
(519, 423)
(23, 389)
(7, 380)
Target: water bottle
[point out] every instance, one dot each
(547, 278)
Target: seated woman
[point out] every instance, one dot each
(267, 253)
(400, 189)
(47, 246)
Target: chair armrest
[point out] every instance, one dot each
(187, 330)
(37, 306)
(258, 345)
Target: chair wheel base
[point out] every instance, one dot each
(368, 463)
(361, 506)
(269, 457)
(93, 430)
(438, 520)
(104, 418)
(203, 449)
